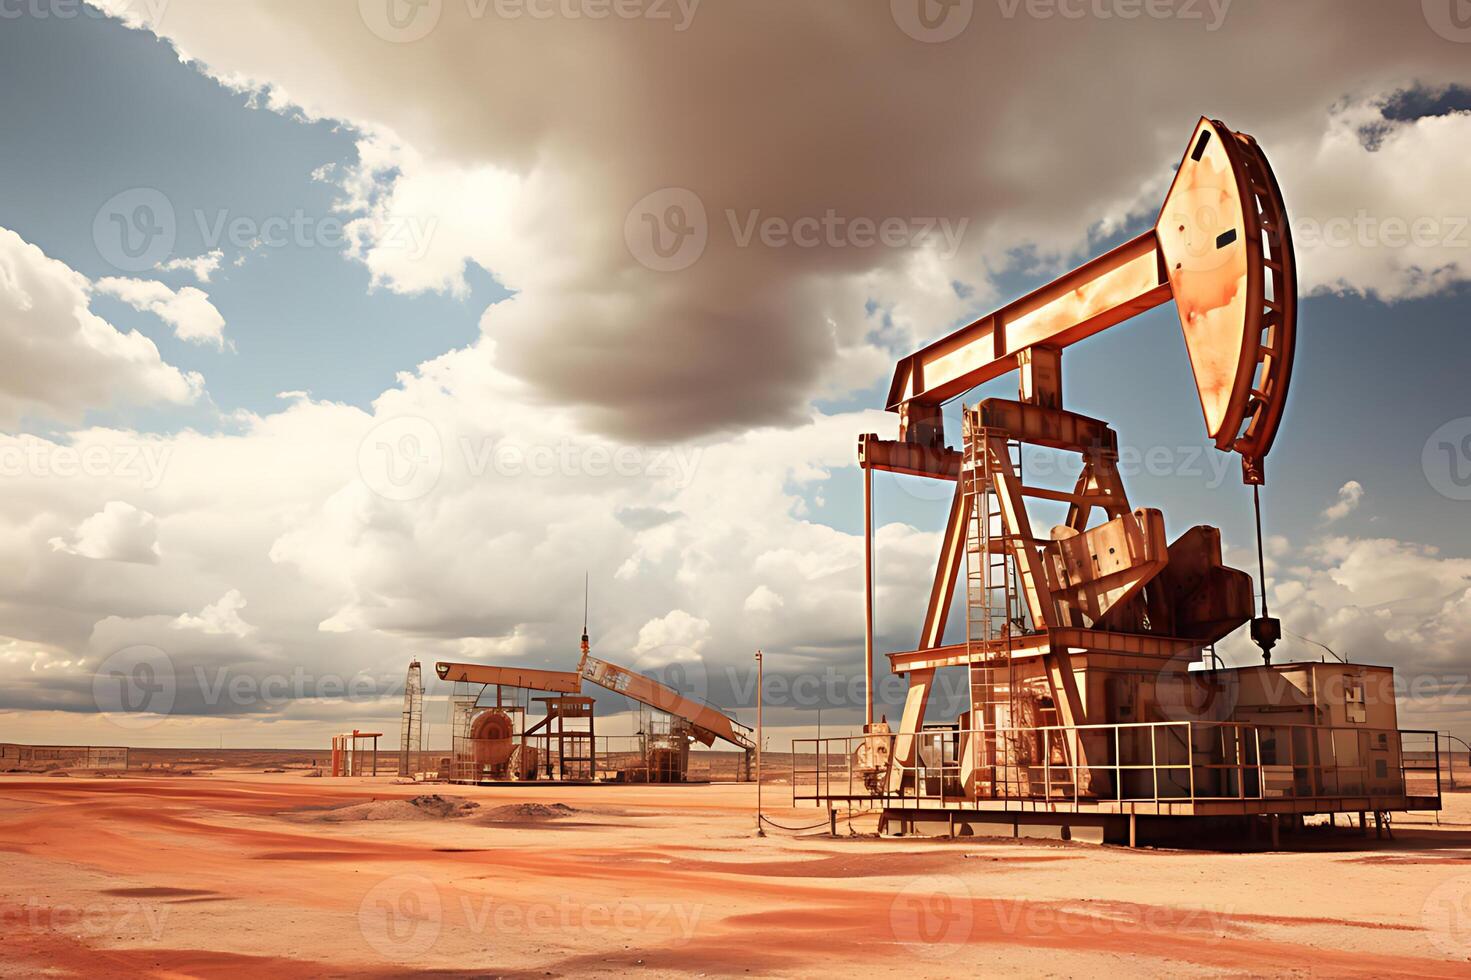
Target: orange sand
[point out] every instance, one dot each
(221, 873)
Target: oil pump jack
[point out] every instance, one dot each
(497, 742)
(1080, 644)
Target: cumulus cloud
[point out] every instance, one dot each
(1373, 600)
(297, 512)
(677, 635)
(1349, 496)
(118, 532)
(57, 358)
(219, 617)
(187, 311)
(763, 600)
(1379, 203)
(623, 129)
(345, 574)
(202, 267)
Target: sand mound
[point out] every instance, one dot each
(528, 811)
(433, 807)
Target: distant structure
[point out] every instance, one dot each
(28, 757)
(501, 743)
(411, 740)
(355, 753)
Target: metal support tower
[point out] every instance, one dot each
(411, 735)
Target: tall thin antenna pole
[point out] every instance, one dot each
(868, 697)
(585, 585)
(760, 734)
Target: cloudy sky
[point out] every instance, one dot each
(334, 334)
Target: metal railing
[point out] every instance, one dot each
(614, 758)
(1143, 762)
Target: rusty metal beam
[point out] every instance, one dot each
(1069, 638)
(709, 724)
(920, 682)
(1051, 428)
(1110, 289)
(907, 458)
(560, 681)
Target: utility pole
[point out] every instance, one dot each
(760, 831)
(867, 599)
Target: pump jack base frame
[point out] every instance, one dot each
(1130, 827)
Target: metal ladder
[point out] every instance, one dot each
(992, 610)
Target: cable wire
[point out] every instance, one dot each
(796, 830)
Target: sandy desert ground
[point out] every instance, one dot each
(283, 875)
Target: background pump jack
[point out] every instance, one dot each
(567, 748)
(1078, 644)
